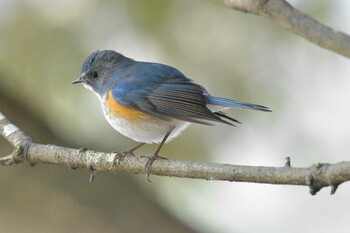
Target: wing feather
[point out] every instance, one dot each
(167, 96)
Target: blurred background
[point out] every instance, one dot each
(234, 55)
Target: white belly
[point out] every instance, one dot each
(145, 130)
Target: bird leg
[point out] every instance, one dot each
(155, 156)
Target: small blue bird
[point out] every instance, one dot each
(151, 102)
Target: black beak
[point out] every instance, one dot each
(78, 80)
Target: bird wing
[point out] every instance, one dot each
(168, 95)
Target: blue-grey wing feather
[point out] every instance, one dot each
(166, 95)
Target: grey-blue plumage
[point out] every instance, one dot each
(151, 102)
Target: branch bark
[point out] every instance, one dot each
(316, 176)
(286, 16)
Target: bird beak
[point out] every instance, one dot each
(79, 79)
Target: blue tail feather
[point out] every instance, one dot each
(235, 104)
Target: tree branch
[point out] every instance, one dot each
(283, 14)
(316, 176)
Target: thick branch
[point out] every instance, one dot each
(283, 14)
(316, 177)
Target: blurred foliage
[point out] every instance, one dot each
(149, 16)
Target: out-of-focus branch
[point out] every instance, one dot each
(316, 176)
(285, 15)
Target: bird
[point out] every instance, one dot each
(151, 102)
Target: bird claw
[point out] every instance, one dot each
(149, 163)
(118, 156)
(148, 166)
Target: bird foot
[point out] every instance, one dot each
(149, 163)
(118, 156)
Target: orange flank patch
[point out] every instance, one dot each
(122, 111)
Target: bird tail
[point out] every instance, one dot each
(223, 102)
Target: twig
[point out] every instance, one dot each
(316, 176)
(286, 16)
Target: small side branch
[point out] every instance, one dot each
(17, 138)
(286, 16)
(316, 176)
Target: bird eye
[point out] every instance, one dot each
(93, 74)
